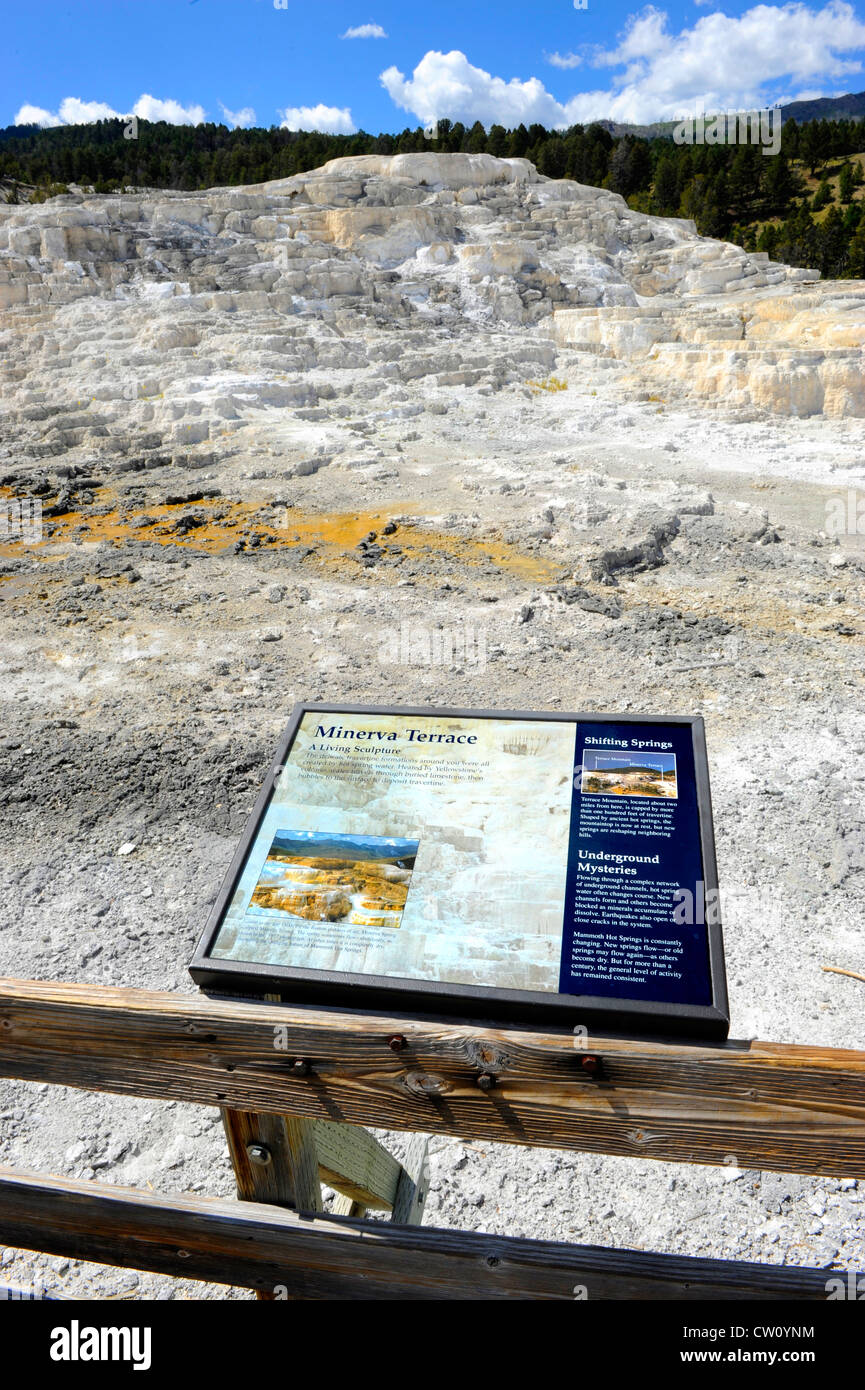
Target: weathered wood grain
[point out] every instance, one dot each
(356, 1164)
(791, 1109)
(279, 1252)
(413, 1183)
(347, 1158)
(347, 1206)
(290, 1179)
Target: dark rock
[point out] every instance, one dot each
(646, 554)
(610, 607)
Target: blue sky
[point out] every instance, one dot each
(272, 62)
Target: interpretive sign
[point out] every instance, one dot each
(493, 864)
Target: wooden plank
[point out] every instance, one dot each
(323, 1257)
(274, 1181)
(346, 1206)
(282, 1181)
(773, 1106)
(414, 1182)
(353, 1162)
(348, 1158)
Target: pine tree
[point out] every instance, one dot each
(833, 244)
(518, 142)
(744, 178)
(666, 192)
(497, 141)
(477, 140)
(768, 240)
(822, 198)
(799, 240)
(639, 166)
(618, 178)
(552, 159)
(856, 253)
(809, 146)
(780, 187)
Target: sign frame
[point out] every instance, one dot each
(388, 994)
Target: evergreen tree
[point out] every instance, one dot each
(810, 147)
(856, 253)
(518, 142)
(666, 191)
(639, 166)
(618, 178)
(822, 198)
(552, 159)
(799, 240)
(780, 187)
(685, 171)
(833, 244)
(497, 141)
(744, 178)
(477, 139)
(768, 240)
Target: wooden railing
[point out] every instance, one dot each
(291, 1081)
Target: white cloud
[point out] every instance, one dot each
(244, 118)
(564, 60)
(364, 31)
(150, 108)
(35, 115)
(447, 84)
(74, 111)
(722, 62)
(331, 120)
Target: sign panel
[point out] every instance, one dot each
(487, 863)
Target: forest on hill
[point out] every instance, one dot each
(804, 206)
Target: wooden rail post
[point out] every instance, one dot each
(280, 1159)
(778, 1107)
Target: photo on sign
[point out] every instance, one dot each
(353, 880)
(629, 774)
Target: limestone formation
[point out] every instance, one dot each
(155, 321)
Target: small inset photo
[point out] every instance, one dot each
(347, 880)
(628, 774)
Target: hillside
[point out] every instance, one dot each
(730, 191)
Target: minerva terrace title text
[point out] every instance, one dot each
(373, 735)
